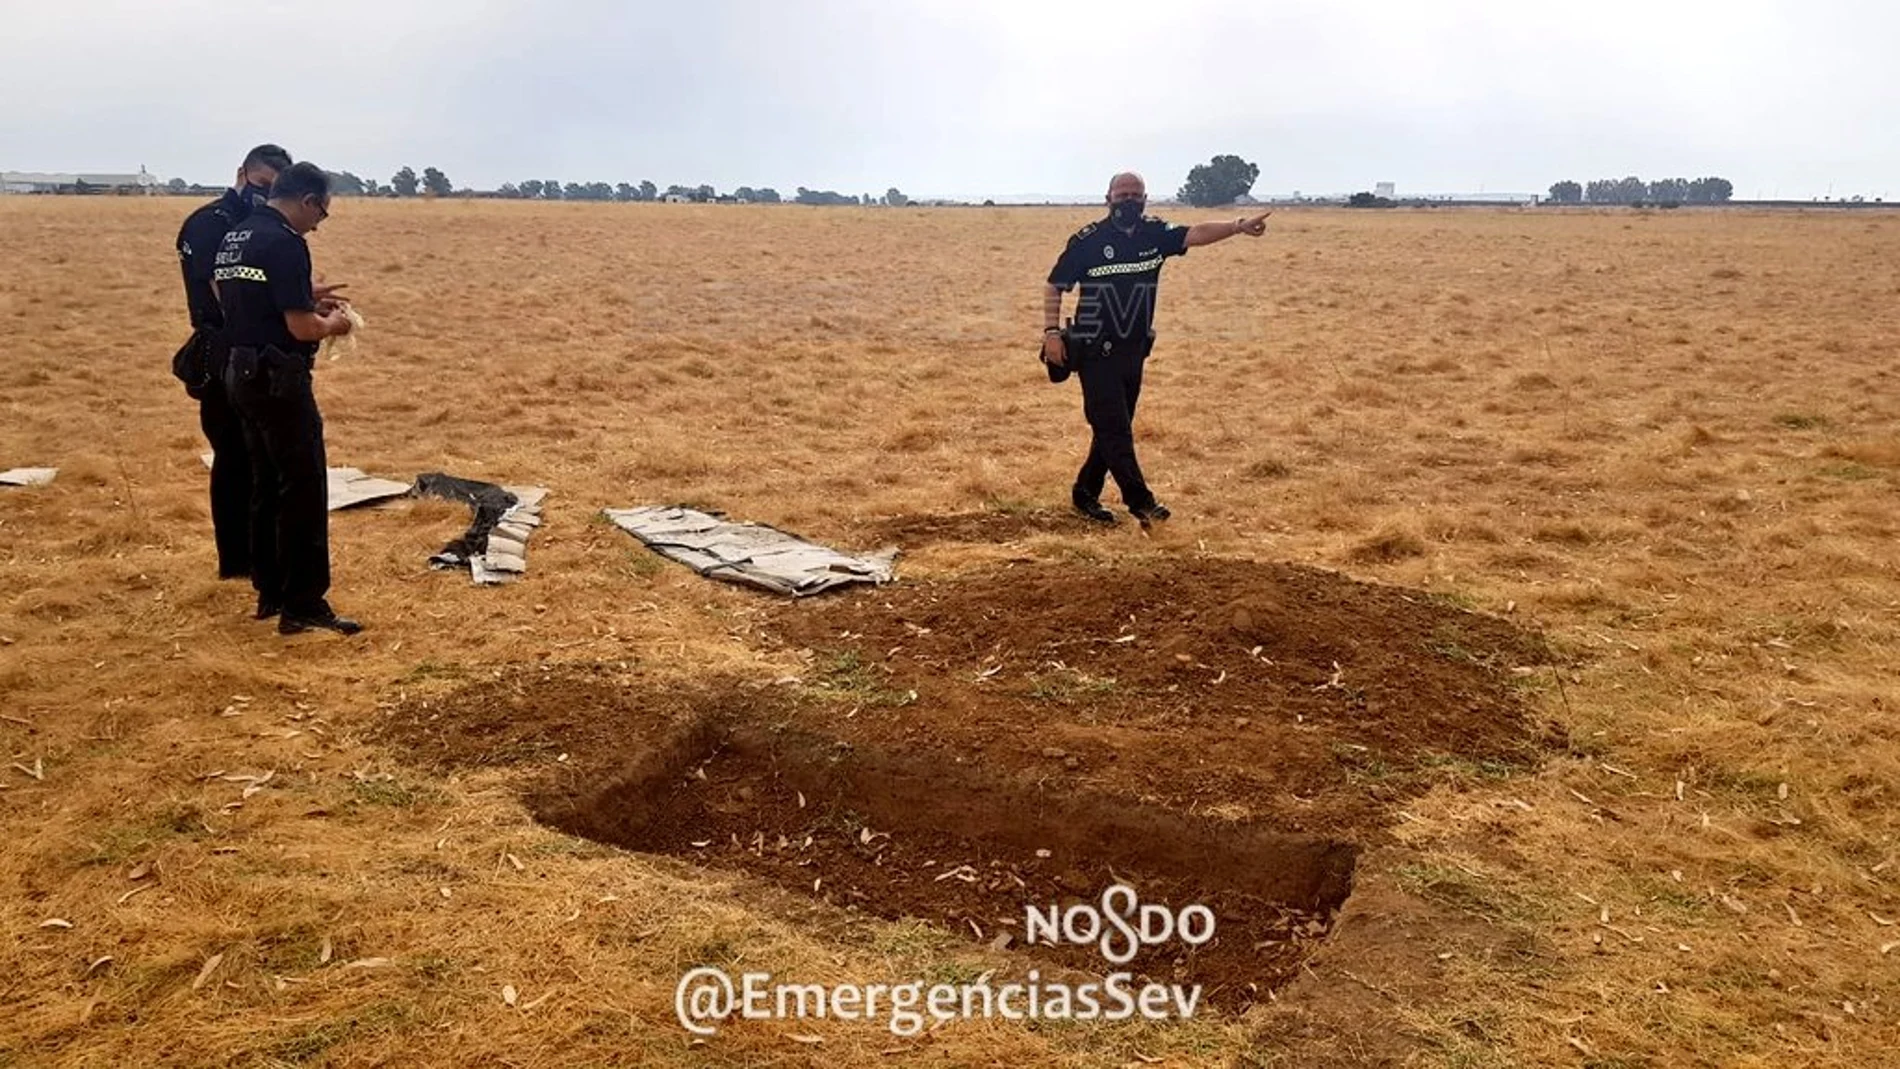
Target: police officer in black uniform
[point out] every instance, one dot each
(200, 364)
(273, 321)
(1117, 261)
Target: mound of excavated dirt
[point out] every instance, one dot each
(1245, 689)
(1212, 732)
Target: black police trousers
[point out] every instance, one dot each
(230, 468)
(290, 490)
(1111, 384)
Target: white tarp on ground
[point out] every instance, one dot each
(750, 552)
(349, 487)
(28, 476)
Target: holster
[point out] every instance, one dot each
(191, 365)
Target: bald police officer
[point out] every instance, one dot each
(200, 364)
(274, 320)
(1117, 262)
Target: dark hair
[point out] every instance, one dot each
(272, 156)
(301, 180)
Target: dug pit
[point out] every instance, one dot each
(906, 835)
(1206, 732)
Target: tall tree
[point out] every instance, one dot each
(649, 191)
(531, 189)
(1710, 190)
(404, 182)
(1566, 192)
(894, 198)
(1221, 180)
(436, 182)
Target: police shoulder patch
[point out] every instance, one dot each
(1085, 231)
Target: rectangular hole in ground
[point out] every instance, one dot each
(912, 835)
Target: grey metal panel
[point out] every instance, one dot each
(751, 553)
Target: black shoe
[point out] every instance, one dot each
(1090, 509)
(290, 624)
(267, 608)
(1151, 515)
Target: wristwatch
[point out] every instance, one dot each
(1052, 330)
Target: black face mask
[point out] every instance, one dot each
(1127, 213)
(254, 196)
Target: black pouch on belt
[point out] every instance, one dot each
(243, 366)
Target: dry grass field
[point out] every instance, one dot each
(1661, 448)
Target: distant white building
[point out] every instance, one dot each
(1384, 189)
(72, 182)
(676, 198)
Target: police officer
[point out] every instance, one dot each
(201, 362)
(273, 321)
(1117, 261)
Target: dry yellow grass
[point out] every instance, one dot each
(1669, 438)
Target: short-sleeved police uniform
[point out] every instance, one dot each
(201, 365)
(1111, 335)
(263, 271)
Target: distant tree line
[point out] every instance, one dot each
(432, 182)
(1633, 190)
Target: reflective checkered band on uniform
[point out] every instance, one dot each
(248, 274)
(1129, 268)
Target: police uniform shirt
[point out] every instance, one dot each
(198, 242)
(263, 271)
(1119, 273)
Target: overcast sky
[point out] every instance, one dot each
(968, 97)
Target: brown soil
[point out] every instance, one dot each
(1242, 689)
(907, 836)
(1207, 731)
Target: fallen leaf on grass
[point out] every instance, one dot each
(508, 994)
(210, 966)
(797, 1038)
(126, 897)
(369, 963)
(139, 871)
(323, 955)
(95, 966)
(56, 922)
